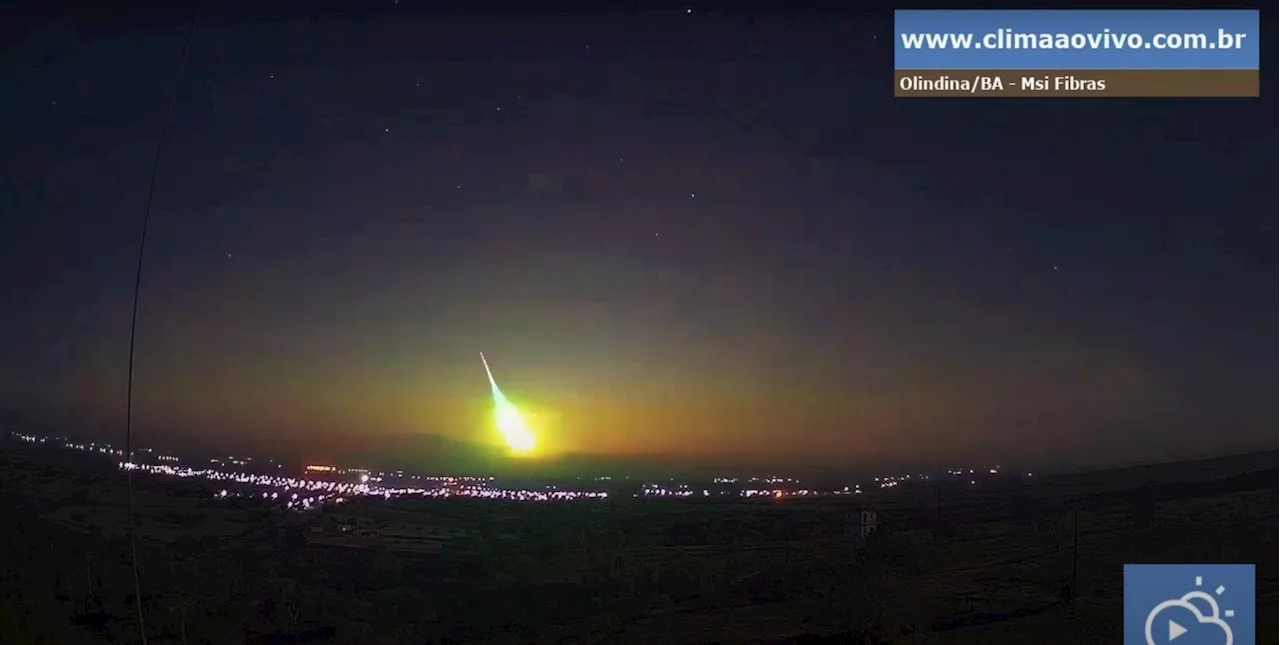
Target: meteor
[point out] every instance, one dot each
(492, 383)
(515, 432)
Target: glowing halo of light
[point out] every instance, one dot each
(510, 423)
(516, 434)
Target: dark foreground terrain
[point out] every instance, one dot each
(1021, 563)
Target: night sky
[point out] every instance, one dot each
(671, 233)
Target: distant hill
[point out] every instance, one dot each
(445, 455)
(14, 421)
(419, 452)
(427, 453)
(1187, 471)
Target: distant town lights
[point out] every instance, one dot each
(303, 492)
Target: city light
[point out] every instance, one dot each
(342, 484)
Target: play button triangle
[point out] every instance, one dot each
(1176, 630)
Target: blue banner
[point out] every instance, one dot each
(1107, 39)
(1205, 603)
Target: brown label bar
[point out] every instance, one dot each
(1076, 82)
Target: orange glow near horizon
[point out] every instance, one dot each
(718, 414)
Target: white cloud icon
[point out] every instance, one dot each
(1185, 603)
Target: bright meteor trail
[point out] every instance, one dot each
(492, 383)
(508, 419)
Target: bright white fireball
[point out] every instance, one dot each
(515, 432)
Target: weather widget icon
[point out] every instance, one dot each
(1188, 604)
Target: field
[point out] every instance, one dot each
(1015, 563)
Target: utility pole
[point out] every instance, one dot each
(1074, 587)
(787, 540)
(1075, 543)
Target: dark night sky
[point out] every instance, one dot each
(675, 233)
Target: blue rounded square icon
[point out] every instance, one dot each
(1189, 604)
